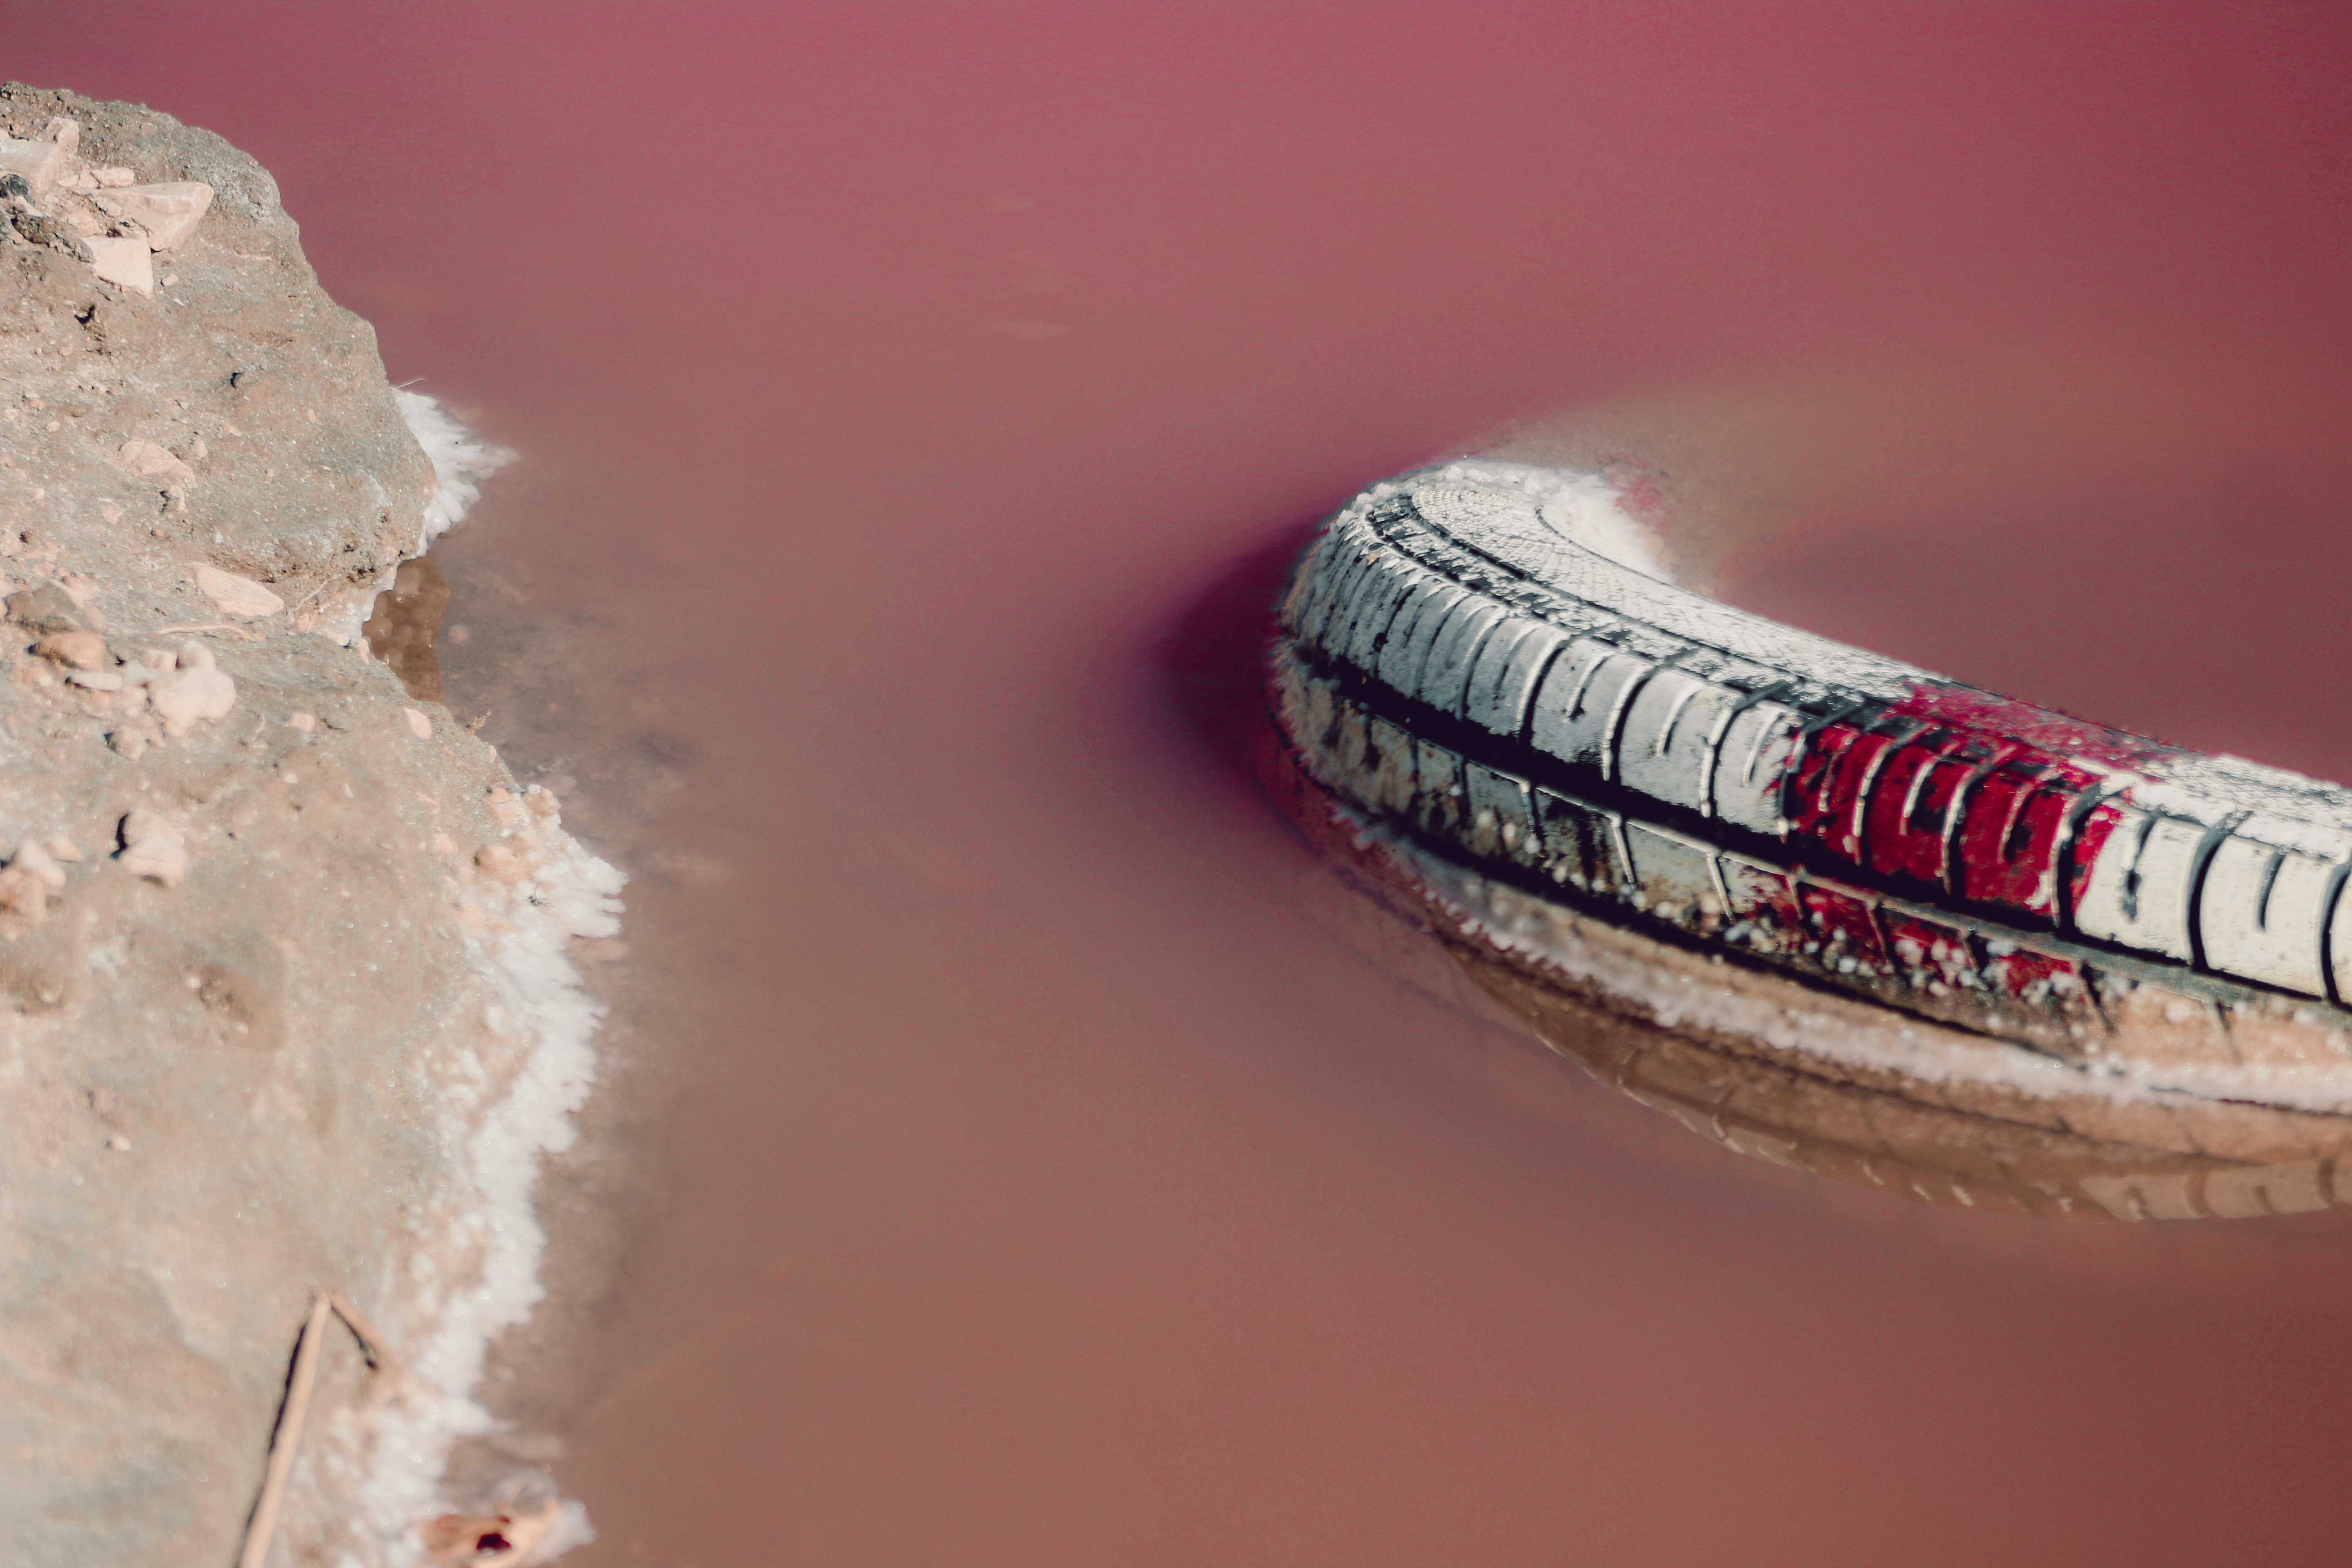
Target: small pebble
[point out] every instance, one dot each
(418, 724)
(152, 849)
(83, 650)
(234, 595)
(148, 460)
(194, 690)
(303, 722)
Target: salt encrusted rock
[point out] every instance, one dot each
(265, 1040)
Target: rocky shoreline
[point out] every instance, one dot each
(288, 956)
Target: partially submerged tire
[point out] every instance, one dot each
(2121, 963)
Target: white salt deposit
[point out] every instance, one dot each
(461, 462)
(1569, 531)
(483, 1275)
(1587, 510)
(484, 1278)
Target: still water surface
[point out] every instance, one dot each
(916, 400)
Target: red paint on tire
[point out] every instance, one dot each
(1870, 799)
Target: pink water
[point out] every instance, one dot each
(919, 394)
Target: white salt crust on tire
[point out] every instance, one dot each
(1526, 602)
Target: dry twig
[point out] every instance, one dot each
(262, 1525)
(370, 1342)
(247, 633)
